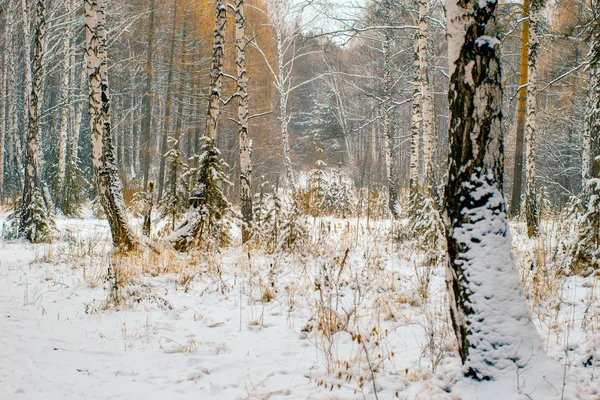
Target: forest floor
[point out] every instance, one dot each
(353, 315)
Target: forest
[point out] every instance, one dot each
(300, 199)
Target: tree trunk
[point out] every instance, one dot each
(64, 119)
(416, 121)
(103, 163)
(390, 156)
(426, 97)
(216, 74)
(4, 116)
(149, 98)
(488, 308)
(169, 106)
(531, 201)
(515, 205)
(244, 139)
(33, 180)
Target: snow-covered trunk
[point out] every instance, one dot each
(169, 107)
(13, 141)
(591, 145)
(284, 119)
(77, 113)
(149, 97)
(426, 97)
(216, 74)
(210, 174)
(244, 139)
(64, 118)
(489, 311)
(27, 55)
(33, 179)
(594, 106)
(3, 87)
(515, 205)
(103, 163)
(531, 206)
(389, 139)
(415, 122)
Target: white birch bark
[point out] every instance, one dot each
(64, 117)
(489, 311)
(216, 75)
(426, 96)
(416, 119)
(531, 206)
(33, 182)
(243, 136)
(387, 127)
(103, 163)
(4, 116)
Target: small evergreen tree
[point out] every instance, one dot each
(210, 215)
(339, 200)
(174, 201)
(74, 191)
(37, 224)
(293, 232)
(318, 184)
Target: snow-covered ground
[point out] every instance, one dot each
(369, 323)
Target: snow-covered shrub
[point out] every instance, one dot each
(585, 251)
(293, 233)
(210, 217)
(74, 192)
(174, 202)
(339, 200)
(36, 221)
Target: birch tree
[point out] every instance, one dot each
(488, 308)
(426, 96)
(415, 128)
(65, 111)
(531, 206)
(243, 136)
(36, 221)
(169, 106)
(105, 171)
(7, 14)
(586, 254)
(208, 216)
(149, 96)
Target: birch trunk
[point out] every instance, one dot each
(489, 311)
(4, 116)
(14, 159)
(191, 227)
(27, 55)
(103, 163)
(64, 119)
(426, 97)
(415, 123)
(531, 201)
(591, 150)
(244, 139)
(390, 159)
(169, 106)
(216, 75)
(515, 204)
(284, 118)
(149, 98)
(33, 183)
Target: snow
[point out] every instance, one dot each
(214, 338)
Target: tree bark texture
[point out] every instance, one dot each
(489, 311)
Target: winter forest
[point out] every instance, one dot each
(300, 199)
